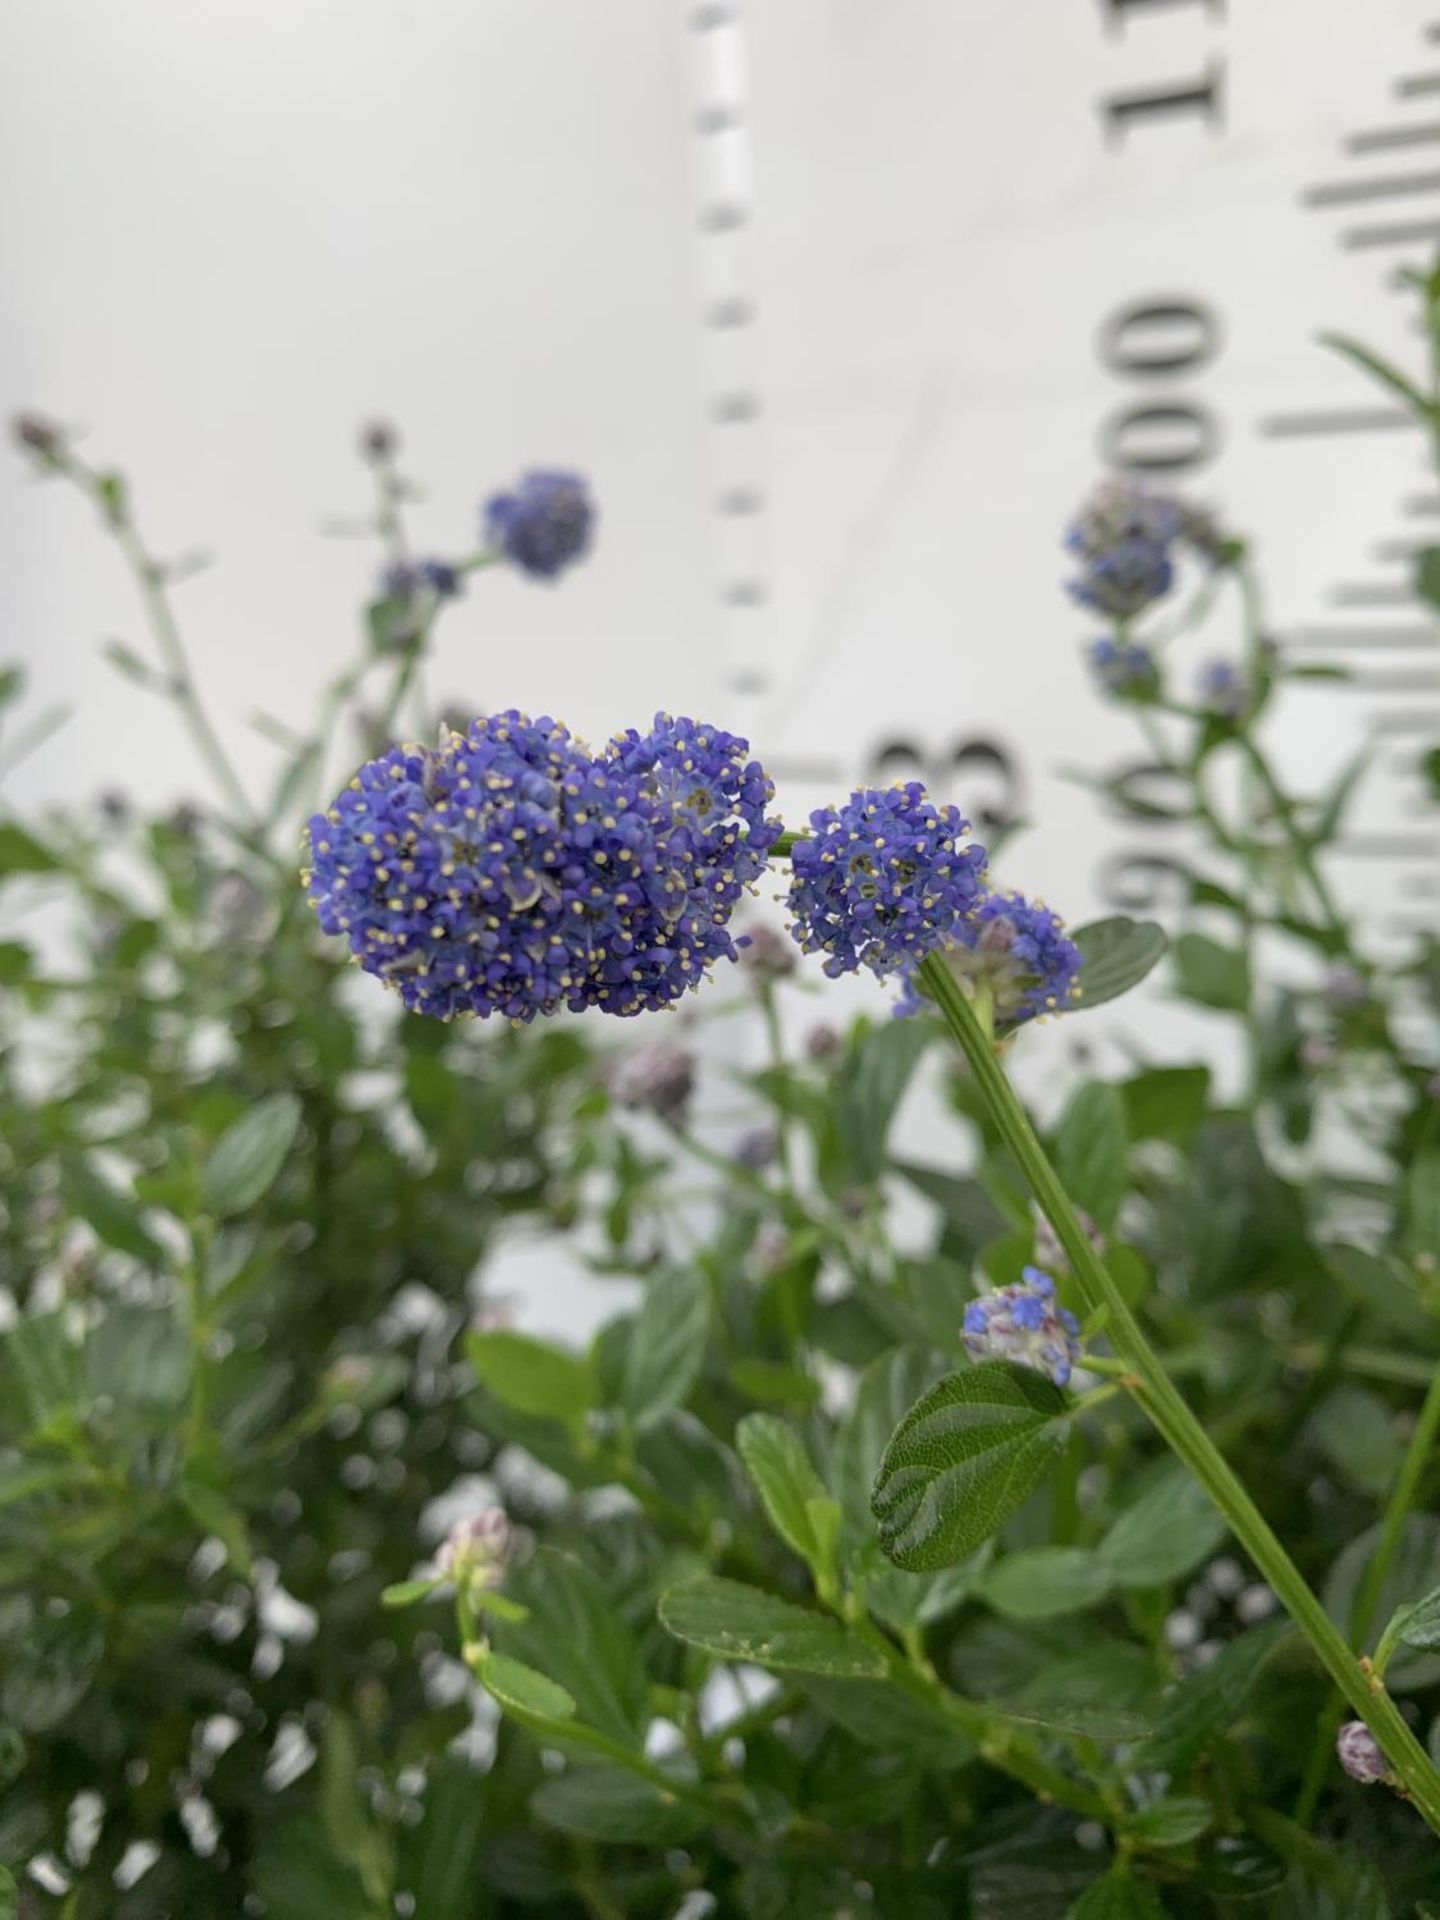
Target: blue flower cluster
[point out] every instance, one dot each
(1125, 667)
(1124, 538)
(1024, 1323)
(882, 879)
(1017, 949)
(543, 524)
(510, 870)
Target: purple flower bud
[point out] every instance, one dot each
(765, 954)
(658, 1079)
(756, 1149)
(379, 440)
(822, 1043)
(1360, 1753)
(1344, 987)
(544, 524)
(40, 435)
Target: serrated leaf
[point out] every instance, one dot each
(736, 1622)
(967, 1455)
(531, 1376)
(248, 1156)
(523, 1690)
(1117, 954)
(1078, 1719)
(666, 1347)
(1164, 1535)
(777, 1463)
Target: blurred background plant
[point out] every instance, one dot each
(253, 1381)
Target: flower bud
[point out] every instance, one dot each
(40, 435)
(658, 1079)
(1360, 1753)
(477, 1549)
(765, 954)
(379, 440)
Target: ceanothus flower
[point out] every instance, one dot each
(1360, 1753)
(510, 870)
(1224, 690)
(1014, 947)
(544, 523)
(1124, 666)
(658, 1079)
(1024, 1323)
(882, 879)
(405, 579)
(1124, 537)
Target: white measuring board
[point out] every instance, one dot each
(963, 255)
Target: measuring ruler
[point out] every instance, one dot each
(961, 259)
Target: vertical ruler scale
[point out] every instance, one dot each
(997, 250)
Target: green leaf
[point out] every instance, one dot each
(776, 1460)
(112, 1213)
(1378, 370)
(1117, 955)
(1415, 1568)
(1206, 1703)
(440, 1865)
(1213, 975)
(209, 1508)
(1164, 1535)
(20, 852)
(524, 1691)
(1039, 1583)
(736, 1622)
(16, 963)
(530, 1376)
(344, 1813)
(406, 1592)
(1166, 1103)
(1173, 1822)
(1418, 1625)
(578, 1635)
(140, 1357)
(48, 1363)
(885, 1716)
(134, 666)
(248, 1157)
(667, 1346)
(1092, 1150)
(9, 1898)
(971, 1216)
(1077, 1720)
(52, 1671)
(1119, 1896)
(22, 1479)
(870, 1088)
(967, 1455)
(602, 1802)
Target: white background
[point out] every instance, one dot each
(232, 229)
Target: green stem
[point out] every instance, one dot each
(776, 1044)
(1169, 1413)
(1300, 848)
(150, 581)
(1367, 1600)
